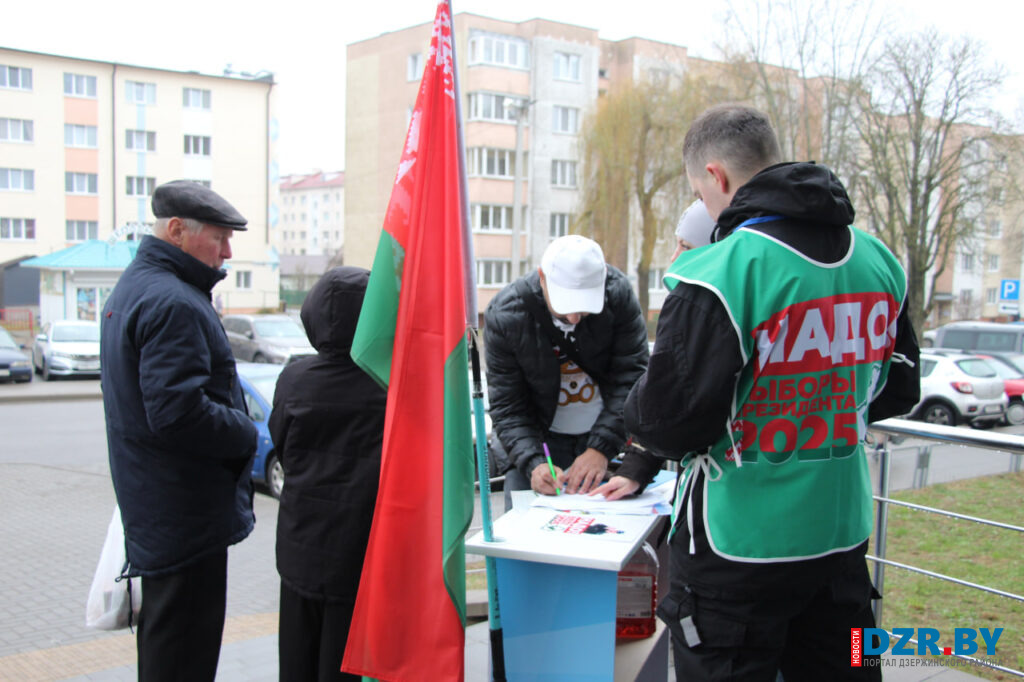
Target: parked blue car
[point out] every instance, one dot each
(258, 384)
(14, 365)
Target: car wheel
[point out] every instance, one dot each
(275, 476)
(260, 357)
(1015, 413)
(938, 413)
(45, 372)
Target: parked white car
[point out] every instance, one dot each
(957, 388)
(67, 348)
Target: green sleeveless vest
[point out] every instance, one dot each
(789, 479)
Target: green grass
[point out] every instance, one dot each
(961, 549)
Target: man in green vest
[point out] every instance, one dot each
(777, 345)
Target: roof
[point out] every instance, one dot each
(314, 180)
(93, 254)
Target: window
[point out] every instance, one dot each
(81, 183)
(967, 262)
(485, 106)
(15, 130)
(17, 228)
(995, 227)
(140, 93)
(493, 272)
(560, 224)
(243, 279)
(15, 77)
(563, 173)
(498, 51)
(990, 295)
(965, 297)
(194, 98)
(567, 67)
(138, 186)
(656, 279)
(17, 179)
(80, 230)
(491, 218)
(79, 136)
(414, 67)
(566, 120)
(659, 77)
(140, 140)
(77, 85)
(492, 163)
(197, 145)
(993, 262)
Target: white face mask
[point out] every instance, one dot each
(562, 325)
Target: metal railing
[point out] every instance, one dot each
(902, 428)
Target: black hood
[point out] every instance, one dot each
(331, 310)
(799, 191)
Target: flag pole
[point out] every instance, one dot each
(472, 319)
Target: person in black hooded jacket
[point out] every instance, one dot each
(772, 298)
(327, 425)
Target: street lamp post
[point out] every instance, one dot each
(518, 110)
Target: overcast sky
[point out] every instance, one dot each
(303, 42)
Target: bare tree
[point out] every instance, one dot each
(930, 158)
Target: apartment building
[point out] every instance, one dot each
(84, 143)
(312, 219)
(526, 87)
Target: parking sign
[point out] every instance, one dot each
(1009, 289)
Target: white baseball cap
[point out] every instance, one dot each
(574, 271)
(695, 225)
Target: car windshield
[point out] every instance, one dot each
(279, 329)
(6, 342)
(1005, 371)
(265, 386)
(76, 332)
(976, 367)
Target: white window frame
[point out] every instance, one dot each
(22, 226)
(491, 217)
(243, 279)
(20, 76)
(81, 230)
(991, 295)
(567, 67)
(196, 98)
(79, 85)
(966, 295)
(560, 223)
(139, 92)
(490, 106)
(565, 119)
(995, 228)
(197, 145)
(993, 262)
(493, 272)
(498, 50)
(489, 162)
(139, 140)
(967, 262)
(16, 130)
(414, 67)
(80, 136)
(139, 186)
(656, 279)
(81, 183)
(563, 173)
(17, 180)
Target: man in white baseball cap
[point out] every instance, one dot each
(564, 345)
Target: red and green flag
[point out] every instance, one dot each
(409, 619)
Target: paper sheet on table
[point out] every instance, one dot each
(547, 525)
(645, 504)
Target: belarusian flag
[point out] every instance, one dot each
(409, 620)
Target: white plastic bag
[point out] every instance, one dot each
(107, 608)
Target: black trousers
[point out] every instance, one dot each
(311, 638)
(755, 628)
(181, 622)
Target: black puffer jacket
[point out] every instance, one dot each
(179, 439)
(523, 376)
(327, 425)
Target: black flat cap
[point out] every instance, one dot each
(187, 199)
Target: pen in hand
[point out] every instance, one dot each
(551, 468)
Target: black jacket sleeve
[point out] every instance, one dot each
(682, 402)
(902, 389)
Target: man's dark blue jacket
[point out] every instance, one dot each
(179, 439)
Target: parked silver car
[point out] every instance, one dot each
(277, 339)
(67, 348)
(957, 388)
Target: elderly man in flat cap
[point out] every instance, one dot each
(179, 439)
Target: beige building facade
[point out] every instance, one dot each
(312, 217)
(84, 143)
